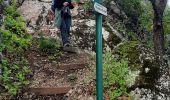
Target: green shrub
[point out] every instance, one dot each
(129, 50)
(10, 42)
(13, 36)
(14, 41)
(87, 6)
(115, 72)
(130, 6)
(11, 10)
(15, 25)
(49, 45)
(14, 75)
(1, 1)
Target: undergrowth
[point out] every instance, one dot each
(117, 67)
(49, 45)
(14, 43)
(115, 71)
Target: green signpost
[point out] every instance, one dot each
(99, 70)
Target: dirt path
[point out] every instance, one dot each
(53, 78)
(56, 73)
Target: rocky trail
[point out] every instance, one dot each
(52, 80)
(132, 69)
(64, 77)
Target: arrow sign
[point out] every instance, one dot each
(100, 9)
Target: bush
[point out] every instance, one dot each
(49, 45)
(115, 72)
(13, 36)
(14, 75)
(14, 42)
(129, 50)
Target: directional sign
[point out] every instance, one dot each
(100, 9)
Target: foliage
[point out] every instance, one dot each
(49, 45)
(11, 42)
(129, 50)
(118, 65)
(115, 71)
(146, 17)
(132, 8)
(166, 20)
(166, 25)
(11, 11)
(88, 6)
(14, 42)
(14, 36)
(14, 75)
(1, 2)
(126, 49)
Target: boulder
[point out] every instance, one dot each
(84, 35)
(35, 13)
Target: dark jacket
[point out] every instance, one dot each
(59, 4)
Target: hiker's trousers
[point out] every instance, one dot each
(65, 29)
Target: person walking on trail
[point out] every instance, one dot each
(63, 19)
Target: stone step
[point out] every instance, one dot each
(50, 90)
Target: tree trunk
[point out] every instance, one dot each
(158, 32)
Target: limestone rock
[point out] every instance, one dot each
(83, 35)
(37, 16)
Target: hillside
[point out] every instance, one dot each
(35, 66)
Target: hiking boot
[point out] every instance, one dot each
(69, 48)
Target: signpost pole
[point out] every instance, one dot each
(99, 70)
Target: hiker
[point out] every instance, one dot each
(61, 10)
